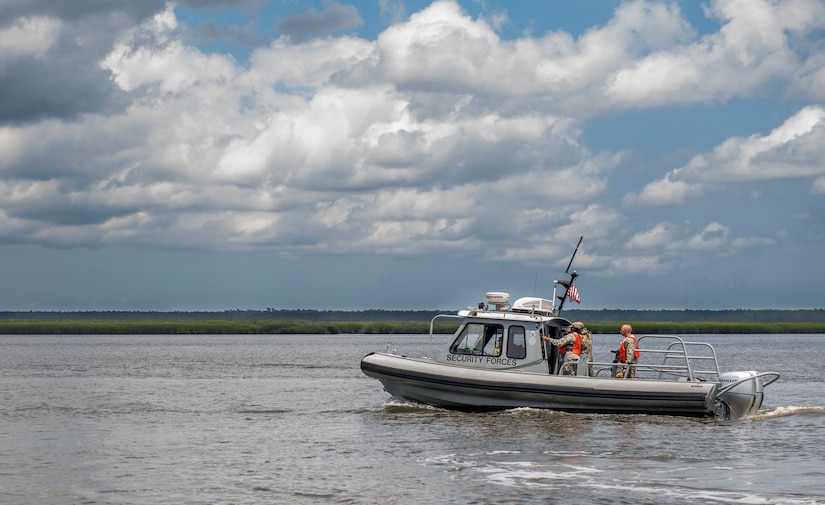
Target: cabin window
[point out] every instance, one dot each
(516, 344)
(478, 338)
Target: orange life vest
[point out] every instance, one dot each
(623, 350)
(577, 344)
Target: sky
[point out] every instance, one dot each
(390, 154)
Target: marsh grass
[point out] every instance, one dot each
(707, 327)
(220, 327)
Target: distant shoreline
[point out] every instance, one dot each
(291, 327)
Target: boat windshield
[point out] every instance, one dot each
(480, 339)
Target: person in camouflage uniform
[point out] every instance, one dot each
(587, 344)
(628, 353)
(570, 348)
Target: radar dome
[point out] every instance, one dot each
(498, 299)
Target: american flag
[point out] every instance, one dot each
(573, 294)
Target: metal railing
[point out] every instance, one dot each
(432, 325)
(667, 357)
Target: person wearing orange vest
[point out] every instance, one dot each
(570, 346)
(628, 353)
(587, 343)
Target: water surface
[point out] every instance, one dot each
(251, 419)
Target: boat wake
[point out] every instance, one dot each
(396, 405)
(790, 411)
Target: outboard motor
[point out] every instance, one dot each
(741, 393)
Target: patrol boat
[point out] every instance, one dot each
(496, 359)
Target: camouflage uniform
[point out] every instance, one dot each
(629, 343)
(587, 343)
(569, 356)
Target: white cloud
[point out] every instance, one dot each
(794, 149)
(666, 245)
(751, 49)
(713, 237)
(311, 64)
(659, 237)
(227, 164)
(652, 265)
(677, 240)
(667, 191)
(818, 186)
(395, 145)
(751, 242)
(28, 37)
(392, 11)
(809, 78)
(166, 62)
(412, 53)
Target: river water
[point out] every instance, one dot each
(261, 419)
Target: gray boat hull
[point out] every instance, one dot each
(456, 387)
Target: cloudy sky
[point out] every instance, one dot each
(391, 154)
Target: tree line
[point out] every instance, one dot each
(271, 314)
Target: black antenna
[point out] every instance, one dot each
(574, 254)
(573, 276)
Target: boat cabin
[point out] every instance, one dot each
(504, 337)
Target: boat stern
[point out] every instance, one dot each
(741, 393)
